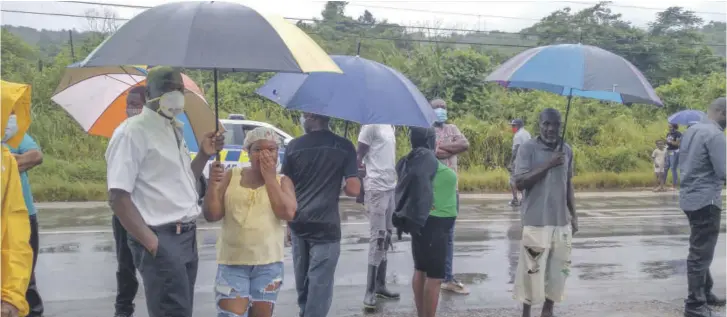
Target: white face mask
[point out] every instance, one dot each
(11, 128)
(171, 104)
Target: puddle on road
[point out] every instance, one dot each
(104, 247)
(72, 247)
(471, 278)
(597, 271)
(660, 270)
(663, 242)
(472, 248)
(595, 244)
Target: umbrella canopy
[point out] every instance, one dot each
(577, 70)
(15, 98)
(367, 92)
(686, 117)
(212, 35)
(96, 98)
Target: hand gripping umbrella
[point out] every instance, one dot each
(576, 70)
(216, 35)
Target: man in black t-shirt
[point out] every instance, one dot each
(317, 163)
(673, 139)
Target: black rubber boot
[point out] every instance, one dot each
(381, 290)
(713, 300)
(370, 297)
(696, 303)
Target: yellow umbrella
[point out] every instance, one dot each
(15, 99)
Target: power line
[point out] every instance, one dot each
(394, 24)
(535, 1)
(642, 8)
(358, 23)
(119, 5)
(344, 35)
(64, 15)
(446, 12)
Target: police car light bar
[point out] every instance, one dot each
(236, 116)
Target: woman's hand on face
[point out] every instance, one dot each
(216, 173)
(267, 164)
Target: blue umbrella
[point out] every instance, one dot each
(367, 92)
(576, 70)
(686, 117)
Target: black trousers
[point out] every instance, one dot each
(170, 275)
(126, 282)
(704, 225)
(32, 295)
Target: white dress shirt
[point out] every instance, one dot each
(145, 159)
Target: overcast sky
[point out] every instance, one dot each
(510, 15)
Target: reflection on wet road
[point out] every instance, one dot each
(628, 250)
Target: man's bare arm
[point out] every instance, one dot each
(571, 199)
(29, 160)
(456, 147)
(361, 152)
(198, 164)
(352, 187)
(131, 219)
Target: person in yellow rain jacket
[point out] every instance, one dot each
(16, 255)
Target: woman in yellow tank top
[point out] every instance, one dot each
(253, 203)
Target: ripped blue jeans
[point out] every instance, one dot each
(247, 281)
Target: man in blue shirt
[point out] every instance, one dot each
(28, 155)
(702, 166)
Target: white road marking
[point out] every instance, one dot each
(581, 220)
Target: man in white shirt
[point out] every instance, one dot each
(521, 136)
(153, 191)
(377, 153)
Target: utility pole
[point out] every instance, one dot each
(70, 41)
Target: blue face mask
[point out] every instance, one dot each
(11, 128)
(441, 114)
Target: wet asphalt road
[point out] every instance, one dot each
(628, 260)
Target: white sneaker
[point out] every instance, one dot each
(455, 287)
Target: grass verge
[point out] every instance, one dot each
(68, 187)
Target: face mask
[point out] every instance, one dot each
(11, 128)
(514, 129)
(441, 114)
(132, 112)
(171, 104)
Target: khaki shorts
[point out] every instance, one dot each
(543, 265)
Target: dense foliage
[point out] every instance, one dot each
(612, 142)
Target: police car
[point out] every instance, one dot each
(235, 129)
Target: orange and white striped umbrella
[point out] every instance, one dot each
(96, 98)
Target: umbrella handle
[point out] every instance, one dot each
(565, 123)
(217, 112)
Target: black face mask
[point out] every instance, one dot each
(422, 138)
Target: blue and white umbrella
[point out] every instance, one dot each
(576, 70)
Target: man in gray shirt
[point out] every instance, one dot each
(543, 171)
(702, 166)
